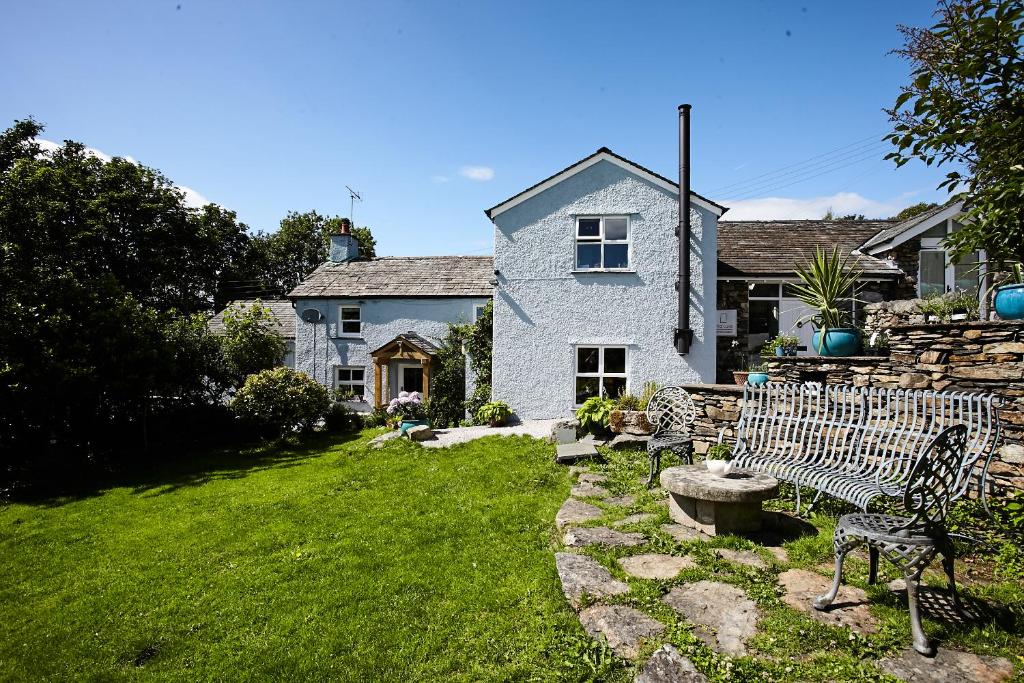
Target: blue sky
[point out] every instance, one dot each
(435, 111)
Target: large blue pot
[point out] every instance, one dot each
(1010, 302)
(409, 424)
(756, 379)
(839, 341)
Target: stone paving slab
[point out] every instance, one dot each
(655, 566)
(571, 452)
(623, 627)
(725, 617)
(668, 665)
(684, 533)
(948, 666)
(592, 478)
(602, 535)
(850, 608)
(576, 512)
(747, 557)
(624, 501)
(588, 490)
(633, 519)
(581, 575)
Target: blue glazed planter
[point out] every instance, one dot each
(409, 424)
(839, 341)
(756, 379)
(1010, 302)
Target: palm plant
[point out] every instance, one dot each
(825, 281)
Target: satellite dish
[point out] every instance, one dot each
(312, 315)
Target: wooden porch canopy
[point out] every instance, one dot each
(407, 346)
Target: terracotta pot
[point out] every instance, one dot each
(740, 377)
(629, 422)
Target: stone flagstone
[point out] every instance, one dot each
(581, 575)
(633, 519)
(587, 490)
(602, 535)
(724, 615)
(655, 566)
(668, 665)
(947, 666)
(592, 478)
(622, 501)
(683, 533)
(747, 557)
(571, 452)
(623, 627)
(576, 512)
(850, 608)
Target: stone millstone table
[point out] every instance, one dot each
(717, 505)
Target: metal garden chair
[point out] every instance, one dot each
(671, 413)
(910, 543)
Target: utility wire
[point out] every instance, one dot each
(760, 190)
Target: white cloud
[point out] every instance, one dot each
(192, 198)
(440, 179)
(783, 208)
(479, 173)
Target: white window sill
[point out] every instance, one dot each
(348, 336)
(586, 271)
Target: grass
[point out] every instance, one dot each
(328, 562)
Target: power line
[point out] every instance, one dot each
(810, 174)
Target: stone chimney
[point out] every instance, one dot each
(344, 247)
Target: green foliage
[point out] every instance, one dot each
(251, 341)
(963, 108)
(914, 210)
(628, 401)
(782, 341)
(281, 400)
(594, 413)
(367, 242)
(339, 419)
(477, 339)
(378, 417)
(448, 382)
(831, 216)
(650, 389)
(105, 279)
(494, 413)
(945, 305)
(719, 451)
(826, 284)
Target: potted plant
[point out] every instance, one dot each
(757, 374)
(495, 413)
(876, 343)
(1009, 299)
(719, 459)
(734, 359)
(782, 345)
(826, 282)
(933, 307)
(408, 410)
(628, 416)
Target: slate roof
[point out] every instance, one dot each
(894, 231)
(424, 345)
(401, 276)
(284, 315)
(770, 248)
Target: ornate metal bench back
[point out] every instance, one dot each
(861, 430)
(933, 482)
(671, 410)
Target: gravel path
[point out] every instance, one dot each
(540, 429)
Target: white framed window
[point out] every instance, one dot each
(350, 380)
(602, 242)
(601, 371)
(350, 320)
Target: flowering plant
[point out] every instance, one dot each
(408, 406)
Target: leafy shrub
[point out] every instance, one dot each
(944, 306)
(719, 451)
(280, 400)
(377, 418)
(481, 396)
(650, 389)
(594, 413)
(495, 412)
(448, 381)
(251, 341)
(340, 419)
(628, 401)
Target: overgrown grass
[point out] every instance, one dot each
(328, 562)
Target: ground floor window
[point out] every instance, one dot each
(349, 381)
(600, 371)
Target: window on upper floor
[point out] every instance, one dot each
(350, 321)
(602, 243)
(600, 371)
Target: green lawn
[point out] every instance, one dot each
(333, 562)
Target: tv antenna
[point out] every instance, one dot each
(353, 197)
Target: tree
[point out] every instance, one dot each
(829, 216)
(964, 108)
(251, 341)
(914, 210)
(278, 261)
(105, 273)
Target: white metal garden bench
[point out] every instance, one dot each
(858, 443)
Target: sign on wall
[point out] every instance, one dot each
(726, 325)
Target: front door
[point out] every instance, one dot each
(410, 378)
(791, 312)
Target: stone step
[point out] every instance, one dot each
(568, 453)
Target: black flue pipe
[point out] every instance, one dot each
(683, 334)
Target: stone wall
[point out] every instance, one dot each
(981, 357)
(718, 407)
